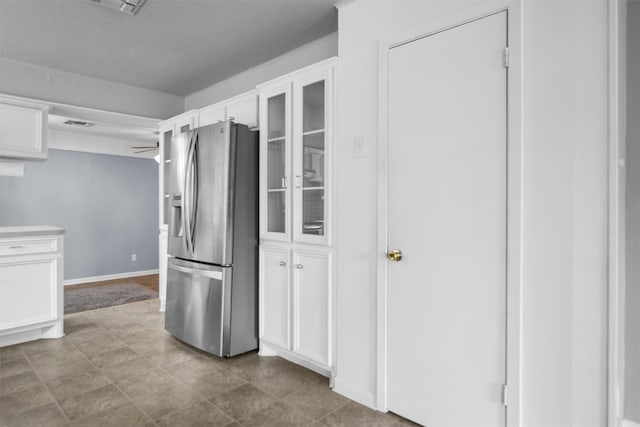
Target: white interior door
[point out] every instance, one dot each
(447, 214)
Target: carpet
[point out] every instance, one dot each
(84, 299)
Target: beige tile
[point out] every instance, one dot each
(139, 334)
(20, 382)
(174, 396)
(54, 370)
(76, 322)
(42, 345)
(251, 366)
(156, 344)
(191, 370)
(277, 415)
(81, 329)
(316, 401)
(137, 367)
(91, 348)
(170, 356)
(354, 414)
(47, 415)
(243, 401)
(200, 414)
(96, 401)
(116, 322)
(114, 357)
(281, 384)
(14, 367)
(17, 403)
(67, 354)
(215, 384)
(98, 334)
(125, 415)
(73, 386)
(8, 354)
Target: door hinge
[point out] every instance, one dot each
(505, 57)
(504, 394)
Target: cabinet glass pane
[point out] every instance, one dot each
(313, 160)
(313, 212)
(313, 107)
(276, 117)
(276, 213)
(275, 164)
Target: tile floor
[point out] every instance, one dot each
(118, 367)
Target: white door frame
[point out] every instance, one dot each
(514, 191)
(617, 228)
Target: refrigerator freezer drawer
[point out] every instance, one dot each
(198, 309)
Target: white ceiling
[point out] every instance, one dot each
(172, 46)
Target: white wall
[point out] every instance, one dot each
(31, 81)
(565, 201)
(313, 52)
(632, 310)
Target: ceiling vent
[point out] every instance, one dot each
(130, 7)
(78, 123)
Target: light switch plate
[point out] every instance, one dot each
(360, 144)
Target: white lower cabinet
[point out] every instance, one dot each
(295, 305)
(31, 294)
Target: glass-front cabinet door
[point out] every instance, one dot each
(275, 142)
(312, 125)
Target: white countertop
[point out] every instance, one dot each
(30, 230)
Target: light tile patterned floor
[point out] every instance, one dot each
(118, 367)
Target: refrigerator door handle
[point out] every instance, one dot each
(216, 275)
(195, 181)
(186, 197)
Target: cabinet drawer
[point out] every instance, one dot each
(22, 247)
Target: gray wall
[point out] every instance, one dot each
(107, 204)
(632, 309)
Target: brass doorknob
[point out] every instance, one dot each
(394, 255)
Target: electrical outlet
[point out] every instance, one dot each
(134, 257)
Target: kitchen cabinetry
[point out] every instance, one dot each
(240, 109)
(295, 142)
(296, 133)
(23, 129)
(31, 293)
(295, 305)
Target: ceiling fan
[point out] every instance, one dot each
(145, 148)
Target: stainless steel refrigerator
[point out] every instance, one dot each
(212, 283)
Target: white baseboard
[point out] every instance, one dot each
(629, 423)
(363, 397)
(109, 277)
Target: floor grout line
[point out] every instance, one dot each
(113, 382)
(151, 321)
(46, 386)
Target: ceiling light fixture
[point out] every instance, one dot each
(130, 7)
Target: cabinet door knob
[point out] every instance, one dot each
(282, 263)
(299, 266)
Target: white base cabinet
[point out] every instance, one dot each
(31, 293)
(295, 305)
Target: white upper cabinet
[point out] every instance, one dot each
(296, 116)
(23, 130)
(244, 109)
(241, 109)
